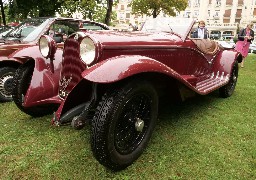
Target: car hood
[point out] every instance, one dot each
(113, 39)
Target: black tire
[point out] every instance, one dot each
(228, 89)
(6, 80)
(115, 141)
(21, 81)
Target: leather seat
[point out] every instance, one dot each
(207, 46)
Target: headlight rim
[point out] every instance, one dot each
(51, 45)
(94, 42)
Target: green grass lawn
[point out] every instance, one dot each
(206, 137)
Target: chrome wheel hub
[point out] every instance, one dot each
(139, 125)
(6, 85)
(234, 78)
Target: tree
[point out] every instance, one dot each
(21, 9)
(90, 9)
(109, 11)
(2, 12)
(153, 8)
(47, 7)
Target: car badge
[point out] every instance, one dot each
(63, 84)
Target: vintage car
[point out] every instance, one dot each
(27, 34)
(114, 81)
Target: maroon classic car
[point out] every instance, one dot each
(117, 78)
(27, 34)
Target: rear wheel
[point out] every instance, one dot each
(6, 80)
(229, 88)
(21, 81)
(123, 124)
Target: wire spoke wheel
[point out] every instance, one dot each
(123, 124)
(6, 83)
(228, 89)
(132, 123)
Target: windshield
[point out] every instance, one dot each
(28, 30)
(32, 35)
(180, 26)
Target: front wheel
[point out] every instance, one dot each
(123, 124)
(21, 81)
(6, 79)
(228, 89)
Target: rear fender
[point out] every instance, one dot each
(45, 80)
(121, 67)
(225, 60)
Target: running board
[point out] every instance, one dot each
(214, 81)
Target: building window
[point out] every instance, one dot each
(227, 13)
(196, 13)
(128, 15)
(122, 16)
(197, 3)
(189, 3)
(216, 14)
(239, 13)
(122, 7)
(254, 12)
(218, 2)
(229, 2)
(187, 14)
(240, 2)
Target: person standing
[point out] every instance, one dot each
(245, 38)
(201, 32)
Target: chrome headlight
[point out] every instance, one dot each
(47, 46)
(87, 50)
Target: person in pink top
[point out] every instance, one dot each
(245, 38)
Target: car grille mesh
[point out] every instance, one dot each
(72, 67)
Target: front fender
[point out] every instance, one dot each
(31, 52)
(10, 54)
(118, 68)
(44, 84)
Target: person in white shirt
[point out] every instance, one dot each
(201, 32)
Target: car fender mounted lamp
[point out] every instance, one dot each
(47, 47)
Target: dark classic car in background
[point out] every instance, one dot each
(27, 34)
(117, 79)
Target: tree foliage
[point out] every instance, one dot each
(21, 9)
(72, 6)
(97, 10)
(153, 8)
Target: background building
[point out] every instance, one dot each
(124, 15)
(223, 17)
